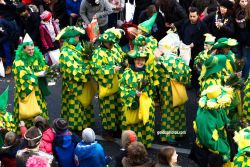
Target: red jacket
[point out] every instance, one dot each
(45, 36)
(47, 140)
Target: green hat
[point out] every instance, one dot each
(214, 64)
(140, 40)
(209, 39)
(4, 100)
(216, 97)
(147, 25)
(107, 36)
(225, 42)
(70, 32)
(138, 54)
(118, 32)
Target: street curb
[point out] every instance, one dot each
(154, 146)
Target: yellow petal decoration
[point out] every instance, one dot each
(215, 135)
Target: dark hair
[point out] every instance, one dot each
(41, 123)
(202, 4)
(165, 155)
(10, 139)
(193, 9)
(166, 6)
(238, 9)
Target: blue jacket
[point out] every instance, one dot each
(89, 155)
(64, 146)
(73, 7)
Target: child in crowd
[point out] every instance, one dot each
(88, 152)
(8, 152)
(48, 134)
(33, 138)
(128, 137)
(167, 157)
(64, 143)
(137, 156)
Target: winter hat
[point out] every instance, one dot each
(33, 136)
(4, 100)
(227, 4)
(138, 54)
(46, 15)
(39, 119)
(20, 8)
(140, 40)
(60, 125)
(147, 25)
(88, 135)
(118, 33)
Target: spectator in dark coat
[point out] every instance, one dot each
(221, 23)
(192, 33)
(242, 18)
(73, 9)
(140, 5)
(173, 14)
(29, 23)
(159, 30)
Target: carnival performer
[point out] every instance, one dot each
(210, 125)
(29, 70)
(105, 72)
(242, 138)
(170, 69)
(204, 55)
(75, 71)
(246, 101)
(136, 96)
(212, 71)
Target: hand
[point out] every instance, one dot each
(117, 68)
(218, 24)
(57, 21)
(191, 45)
(21, 124)
(73, 15)
(41, 74)
(138, 93)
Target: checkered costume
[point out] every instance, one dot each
(74, 68)
(24, 69)
(102, 68)
(128, 86)
(172, 118)
(246, 101)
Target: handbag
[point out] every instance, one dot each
(104, 91)
(93, 30)
(179, 93)
(29, 108)
(89, 90)
(132, 117)
(54, 56)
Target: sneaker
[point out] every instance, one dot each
(8, 70)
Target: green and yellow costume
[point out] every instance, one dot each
(242, 158)
(170, 67)
(25, 70)
(138, 80)
(75, 71)
(211, 119)
(103, 64)
(246, 101)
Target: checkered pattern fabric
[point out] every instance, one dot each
(26, 81)
(214, 79)
(75, 71)
(201, 57)
(172, 118)
(128, 86)
(242, 160)
(103, 63)
(246, 101)
(7, 121)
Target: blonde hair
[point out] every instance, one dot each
(128, 137)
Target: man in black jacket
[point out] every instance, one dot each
(192, 33)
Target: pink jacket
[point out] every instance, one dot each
(47, 140)
(45, 36)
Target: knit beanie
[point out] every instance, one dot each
(33, 137)
(46, 16)
(88, 135)
(60, 125)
